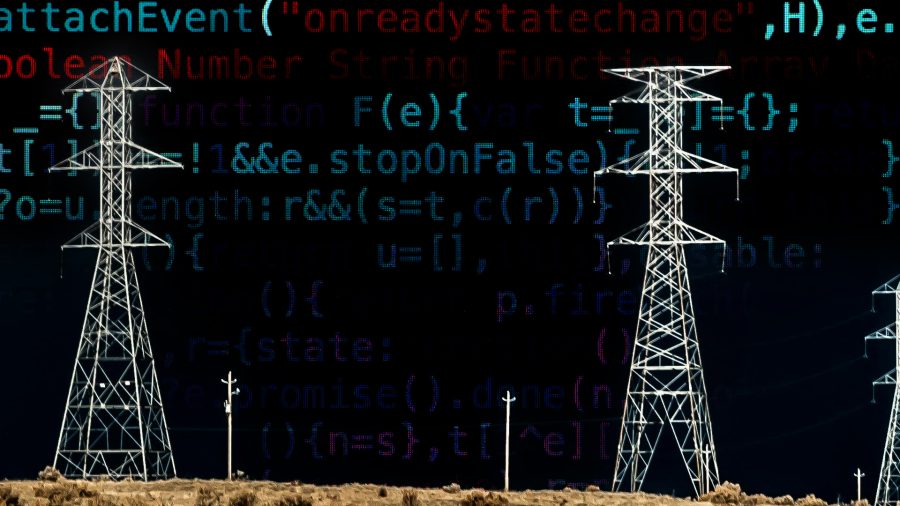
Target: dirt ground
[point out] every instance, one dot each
(262, 493)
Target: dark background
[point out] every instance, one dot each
(782, 343)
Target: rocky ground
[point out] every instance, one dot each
(262, 493)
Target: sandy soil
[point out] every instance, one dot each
(186, 493)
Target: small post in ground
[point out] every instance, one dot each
(509, 400)
(859, 474)
(236, 391)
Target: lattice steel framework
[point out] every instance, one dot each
(889, 479)
(665, 384)
(114, 424)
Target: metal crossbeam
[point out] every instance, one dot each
(114, 424)
(665, 384)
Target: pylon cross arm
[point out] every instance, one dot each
(639, 163)
(86, 159)
(886, 332)
(889, 378)
(89, 238)
(142, 158)
(697, 163)
(891, 287)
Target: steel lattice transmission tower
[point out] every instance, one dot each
(665, 384)
(114, 424)
(889, 479)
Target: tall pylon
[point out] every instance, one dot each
(114, 424)
(889, 478)
(665, 384)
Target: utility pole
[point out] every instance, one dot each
(228, 383)
(859, 474)
(665, 382)
(888, 491)
(509, 400)
(114, 425)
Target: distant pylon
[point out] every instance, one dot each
(889, 478)
(665, 384)
(114, 424)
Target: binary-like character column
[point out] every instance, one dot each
(665, 384)
(114, 424)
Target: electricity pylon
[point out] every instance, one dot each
(665, 384)
(889, 478)
(114, 424)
